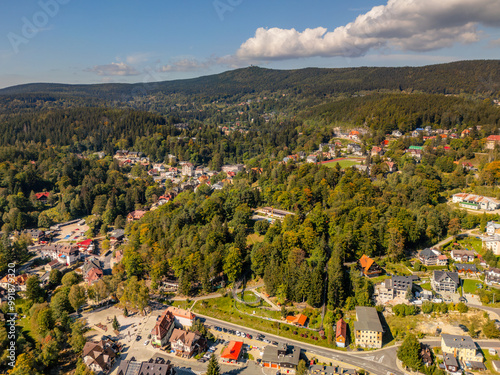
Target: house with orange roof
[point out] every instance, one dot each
(354, 134)
(299, 319)
(232, 352)
(369, 267)
(19, 282)
(465, 133)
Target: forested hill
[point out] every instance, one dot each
(480, 76)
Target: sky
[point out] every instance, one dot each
(97, 41)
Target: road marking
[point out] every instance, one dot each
(381, 359)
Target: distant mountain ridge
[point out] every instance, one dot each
(477, 76)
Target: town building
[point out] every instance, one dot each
(476, 202)
(117, 235)
(461, 347)
(157, 366)
(282, 357)
(395, 287)
(232, 352)
(183, 317)
(368, 329)
(161, 333)
(492, 276)
(298, 320)
(341, 333)
(451, 364)
(232, 168)
(99, 356)
(187, 343)
(429, 257)
(444, 281)
(188, 170)
(65, 253)
(492, 228)
(466, 269)
(369, 267)
(492, 141)
(274, 213)
(136, 215)
(92, 270)
(18, 282)
(464, 256)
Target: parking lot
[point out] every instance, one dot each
(72, 232)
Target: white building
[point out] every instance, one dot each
(476, 202)
(183, 317)
(492, 228)
(65, 254)
(492, 244)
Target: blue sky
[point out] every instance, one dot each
(76, 41)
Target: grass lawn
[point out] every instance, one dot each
(222, 308)
(254, 238)
(343, 163)
(250, 297)
(488, 358)
(469, 286)
(182, 304)
(426, 286)
(397, 268)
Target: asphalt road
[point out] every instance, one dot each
(379, 362)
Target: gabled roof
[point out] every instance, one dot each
(163, 324)
(188, 338)
(181, 313)
(341, 328)
(366, 262)
(441, 275)
(297, 319)
(233, 350)
(428, 253)
(458, 342)
(368, 319)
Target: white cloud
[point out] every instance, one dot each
(138, 58)
(114, 69)
(408, 25)
(187, 65)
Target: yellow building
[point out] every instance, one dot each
(462, 347)
(368, 329)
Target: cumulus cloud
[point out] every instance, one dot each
(114, 69)
(408, 25)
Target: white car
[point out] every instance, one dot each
(237, 333)
(146, 342)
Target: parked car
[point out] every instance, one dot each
(146, 342)
(138, 338)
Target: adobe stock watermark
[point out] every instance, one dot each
(40, 19)
(10, 320)
(223, 6)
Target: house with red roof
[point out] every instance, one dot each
(492, 141)
(42, 197)
(354, 134)
(86, 245)
(232, 352)
(161, 333)
(341, 333)
(368, 266)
